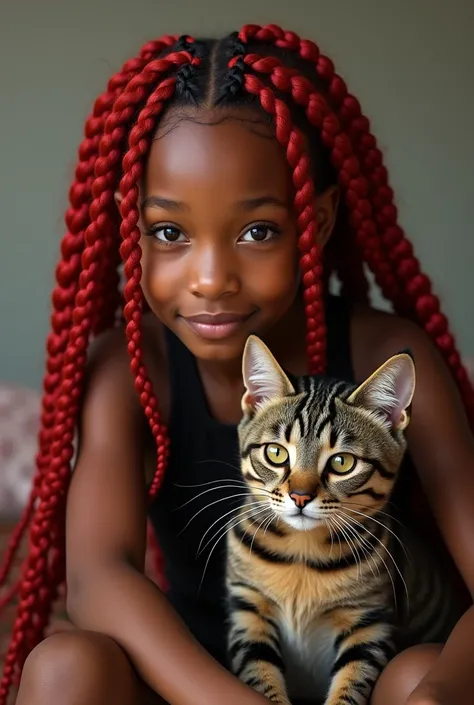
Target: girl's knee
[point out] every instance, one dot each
(404, 673)
(77, 666)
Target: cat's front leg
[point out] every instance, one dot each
(364, 646)
(254, 643)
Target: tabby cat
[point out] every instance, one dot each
(312, 579)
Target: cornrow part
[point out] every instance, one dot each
(233, 83)
(398, 271)
(186, 77)
(36, 593)
(67, 273)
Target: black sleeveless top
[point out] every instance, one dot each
(193, 508)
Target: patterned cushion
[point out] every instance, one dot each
(19, 425)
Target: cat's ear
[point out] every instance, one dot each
(388, 392)
(264, 379)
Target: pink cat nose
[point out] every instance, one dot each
(301, 499)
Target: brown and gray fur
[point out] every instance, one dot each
(315, 561)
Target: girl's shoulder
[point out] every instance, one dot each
(109, 365)
(377, 335)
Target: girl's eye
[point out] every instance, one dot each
(167, 234)
(342, 463)
(262, 232)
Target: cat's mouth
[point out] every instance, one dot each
(302, 520)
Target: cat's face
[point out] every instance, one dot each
(325, 448)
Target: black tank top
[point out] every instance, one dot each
(194, 507)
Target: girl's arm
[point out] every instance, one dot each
(442, 447)
(106, 541)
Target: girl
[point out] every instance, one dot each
(245, 176)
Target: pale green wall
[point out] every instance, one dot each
(409, 61)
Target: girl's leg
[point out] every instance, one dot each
(81, 668)
(404, 673)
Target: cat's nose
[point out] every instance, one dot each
(301, 499)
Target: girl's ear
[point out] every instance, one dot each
(326, 205)
(118, 198)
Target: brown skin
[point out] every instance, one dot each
(121, 617)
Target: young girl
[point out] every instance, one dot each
(233, 177)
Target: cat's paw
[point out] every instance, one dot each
(355, 699)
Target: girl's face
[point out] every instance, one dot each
(219, 243)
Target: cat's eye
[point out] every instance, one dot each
(342, 463)
(276, 454)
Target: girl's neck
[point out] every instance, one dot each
(286, 340)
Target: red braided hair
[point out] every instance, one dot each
(87, 298)
(386, 250)
(44, 569)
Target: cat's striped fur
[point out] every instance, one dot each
(312, 573)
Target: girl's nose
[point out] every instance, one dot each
(213, 273)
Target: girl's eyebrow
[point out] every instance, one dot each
(165, 203)
(247, 204)
(251, 203)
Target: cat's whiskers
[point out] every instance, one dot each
(272, 517)
(379, 511)
(212, 482)
(380, 523)
(219, 461)
(224, 533)
(339, 540)
(355, 521)
(362, 546)
(251, 506)
(256, 531)
(212, 489)
(211, 504)
(351, 544)
(328, 524)
(364, 541)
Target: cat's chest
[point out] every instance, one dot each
(301, 592)
(309, 657)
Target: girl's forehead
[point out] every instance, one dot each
(236, 149)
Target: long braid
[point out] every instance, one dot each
(110, 149)
(320, 116)
(342, 254)
(67, 274)
(348, 257)
(37, 591)
(293, 142)
(386, 249)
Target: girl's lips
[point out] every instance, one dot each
(216, 326)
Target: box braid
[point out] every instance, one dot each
(312, 113)
(67, 271)
(386, 249)
(149, 82)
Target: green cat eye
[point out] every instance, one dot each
(276, 454)
(342, 463)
